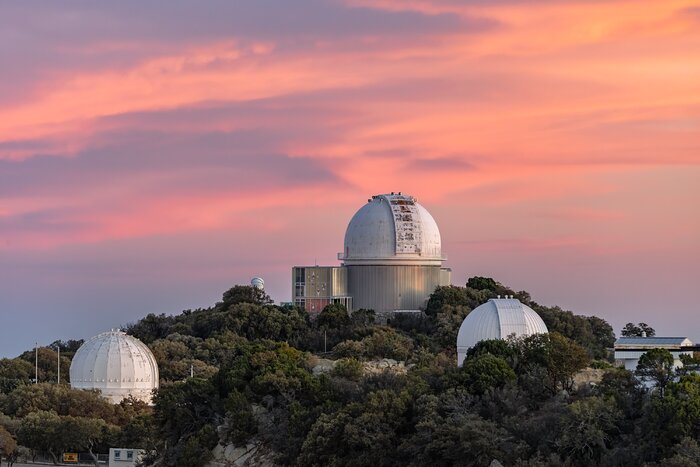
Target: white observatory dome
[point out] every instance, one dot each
(117, 364)
(258, 283)
(497, 319)
(392, 229)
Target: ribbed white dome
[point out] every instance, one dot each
(497, 319)
(117, 364)
(392, 229)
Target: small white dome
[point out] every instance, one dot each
(118, 365)
(497, 319)
(258, 283)
(392, 229)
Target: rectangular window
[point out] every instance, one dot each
(117, 454)
(129, 455)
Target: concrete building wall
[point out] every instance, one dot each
(631, 359)
(314, 287)
(386, 289)
(125, 457)
(445, 276)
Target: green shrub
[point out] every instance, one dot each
(350, 368)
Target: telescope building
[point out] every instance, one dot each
(391, 261)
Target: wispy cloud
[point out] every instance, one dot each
(569, 130)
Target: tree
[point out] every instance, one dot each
(449, 295)
(447, 324)
(622, 386)
(47, 359)
(498, 347)
(139, 432)
(194, 450)
(239, 423)
(647, 330)
(244, 294)
(151, 327)
(14, 373)
(62, 400)
(691, 364)
(384, 342)
(85, 434)
(350, 368)
(591, 425)
(656, 365)
(40, 432)
(8, 445)
(183, 408)
(70, 346)
(486, 371)
(561, 357)
(686, 454)
(362, 317)
(593, 334)
(48, 433)
(254, 321)
(603, 337)
(333, 316)
(447, 433)
(637, 330)
(359, 434)
(631, 330)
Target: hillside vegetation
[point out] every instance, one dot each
(262, 378)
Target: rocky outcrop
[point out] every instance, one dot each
(322, 365)
(253, 453)
(590, 376)
(385, 364)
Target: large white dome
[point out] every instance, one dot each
(497, 319)
(392, 229)
(117, 364)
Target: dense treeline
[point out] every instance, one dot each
(262, 377)
(49, 419)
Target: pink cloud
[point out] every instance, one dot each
(559, 137)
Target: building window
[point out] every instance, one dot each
(117, 454)
(129, 455)
(299, 275)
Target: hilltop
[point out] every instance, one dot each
(275, 385)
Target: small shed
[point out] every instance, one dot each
(124, 457)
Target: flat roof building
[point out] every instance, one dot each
(628, 350)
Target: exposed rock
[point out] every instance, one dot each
(252, 454)
(385, 364)
(322, 365)
(588, 376)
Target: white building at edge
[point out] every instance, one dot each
(497, 319)
(628, 350)
(118, 365)
(391, 261)
(125, 457)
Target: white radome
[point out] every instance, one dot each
(392, 229)
(258, 283)
(118, 365)
(497, 319)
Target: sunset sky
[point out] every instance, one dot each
(153, 154)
